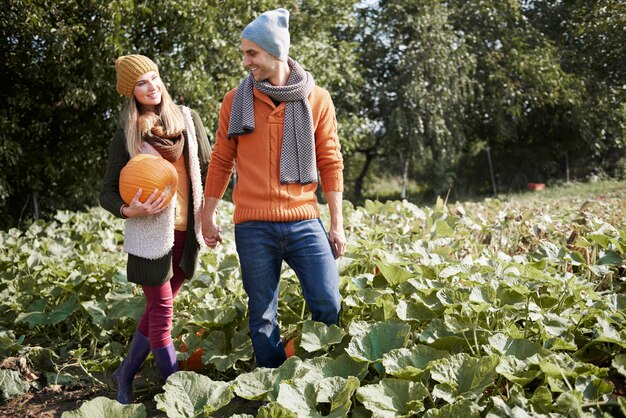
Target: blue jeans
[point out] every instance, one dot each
(262, 247)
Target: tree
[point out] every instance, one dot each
(59, 104)
(590, 40)
(524, 103)
(418, 72)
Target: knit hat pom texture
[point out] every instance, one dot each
(270, 31)
(129, 68)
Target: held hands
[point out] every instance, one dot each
(152, 205)
(211, 232)
(337, 241)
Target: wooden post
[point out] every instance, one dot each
(567, 166)
(493, 179)
(35, 207)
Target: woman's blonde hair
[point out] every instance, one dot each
(136, 120)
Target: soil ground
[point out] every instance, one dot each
(53, 400)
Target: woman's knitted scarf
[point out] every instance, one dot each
(170, 146)
(297, 157)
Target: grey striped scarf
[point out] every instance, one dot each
(297, 157)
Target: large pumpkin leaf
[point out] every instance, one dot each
(463, 376)
(592, 387)
(263, 383)
(394, 274)
(224, 353)
(318, 336)
(409, 364)
(570, 404)
(541, 401)
(186, 394)
(342, 366)
(306, 398)
(102, 407)
(501, 409)
(519, 348)
(414, 311)
(382, 338)
(393, 397)
(517, 371)
(465, 408)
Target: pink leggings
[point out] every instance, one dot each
(156, 322)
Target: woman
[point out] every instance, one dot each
(162, 242)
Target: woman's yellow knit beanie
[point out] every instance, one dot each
(129, 68)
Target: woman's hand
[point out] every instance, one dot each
(152, 205)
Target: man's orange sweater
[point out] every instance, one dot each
(258, 194)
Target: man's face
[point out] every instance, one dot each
(261, 63)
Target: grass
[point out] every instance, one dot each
(587, 190)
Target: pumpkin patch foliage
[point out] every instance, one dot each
(501, 308)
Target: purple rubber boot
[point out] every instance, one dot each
(165, 359)
(123, 376)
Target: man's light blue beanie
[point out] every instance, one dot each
(270, 31)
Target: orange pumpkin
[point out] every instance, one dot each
(290, 349)
(148, 172)
(194, 362)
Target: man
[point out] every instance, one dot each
(280, 128)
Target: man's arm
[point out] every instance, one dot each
(336, 235)
(220, 170)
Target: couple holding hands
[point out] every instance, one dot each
(280, 130)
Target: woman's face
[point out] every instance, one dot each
(148, 90)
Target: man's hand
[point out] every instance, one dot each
(337, 241)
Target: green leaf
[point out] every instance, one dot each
(263, 383)
(521, 349)
(610, 258)
(102, 407)
(256, 384)
(382, 338)
(342, 366)
(188, 394)
(463, 376)
(607, 333)
(592, 387)
(393, 397)
(442, 229)
(219, 351)
(501, 409)
(517, 371)
(275, 410)
(409, 364)
(414, 311)
(306, 398)
(619, 362)
(465, 408)
(318, 336)
(541, 400)
(12, 384)
(570, 404)
(394, 274)
(97, 312)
